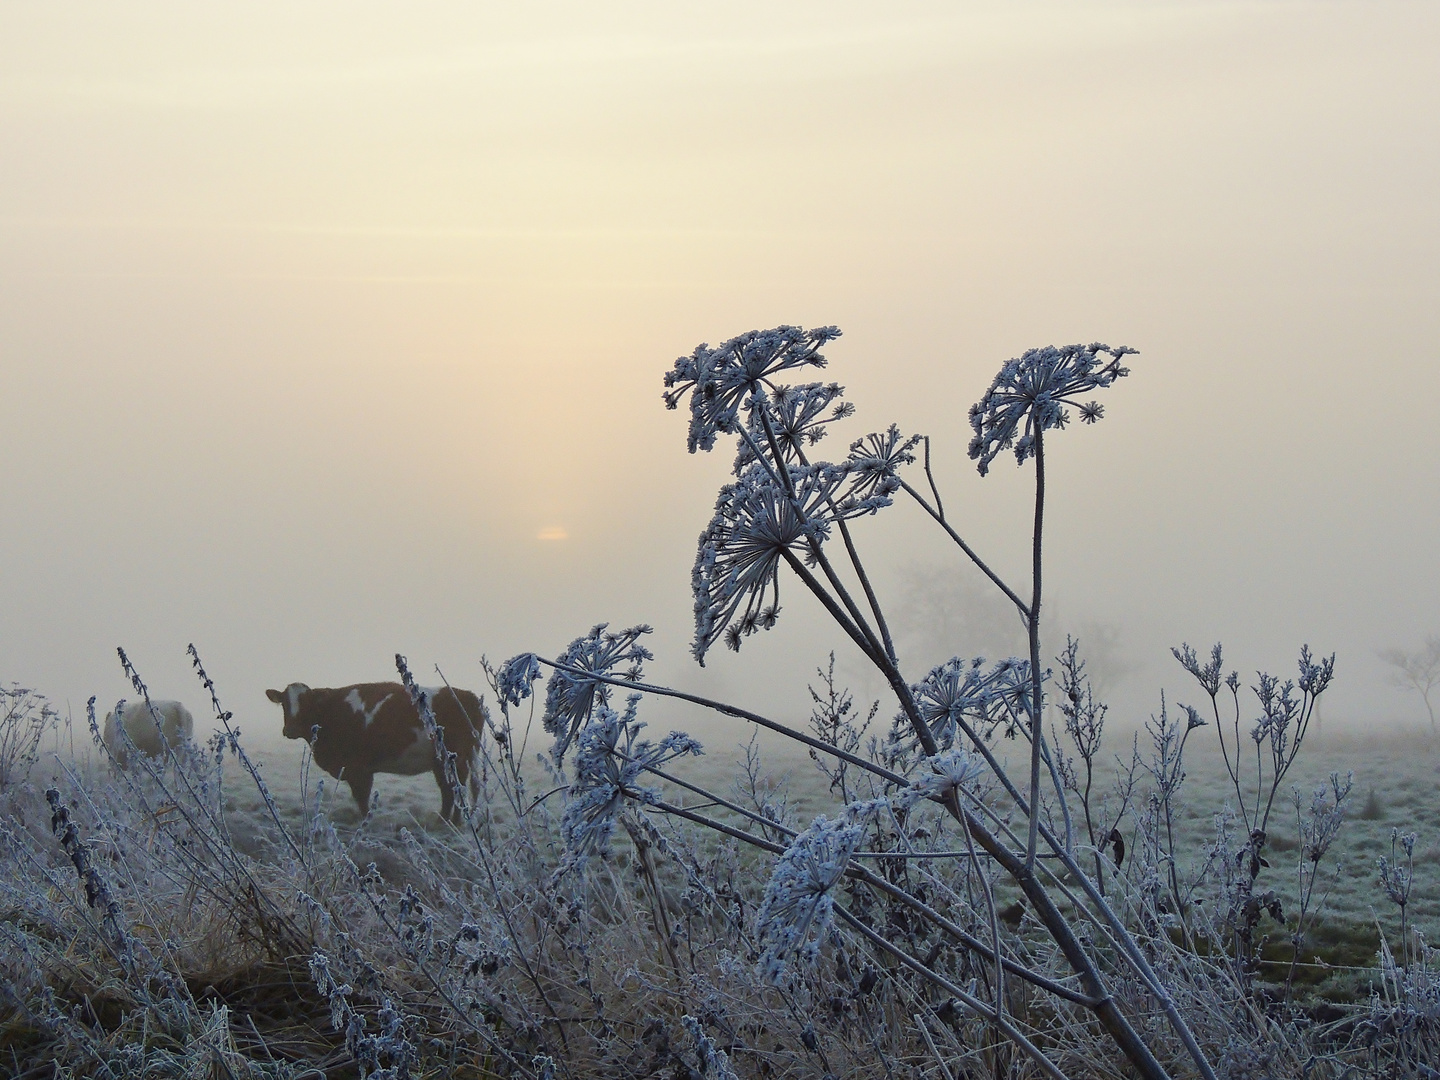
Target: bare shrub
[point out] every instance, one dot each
(1417, 671)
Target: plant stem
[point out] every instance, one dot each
(1037, 733)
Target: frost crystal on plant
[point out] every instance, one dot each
(571, 696)
(738, 372)
(1034, 390)
(798, 907)
(608, 763)
(714, 1062)
(1208, 675)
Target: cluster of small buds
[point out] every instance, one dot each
(336, 994)
(713, 1063)
(390, 1043)
(1327, 814)
(1280, 709)
(445, 756)
(415, 925)
(1396, 877)
(231, 739)
(97, 889)
(1315, 676)
(1207, 675)
(1084, 716)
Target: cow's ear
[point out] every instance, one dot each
(275, 695)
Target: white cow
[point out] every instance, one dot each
(175, 721)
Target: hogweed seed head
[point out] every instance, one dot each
(950, 772)
(737, 373)
(516, 674)
(571, 696)
(875, 462)
(609, 761)
(1033, 391)
(798, 907)
(735, 579)
(796, 416)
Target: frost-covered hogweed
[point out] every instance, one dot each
(955, 690)
(736, 580)
(737, 373)
(876, 459)
(571, 695)
(797, 416)
(609, 761)
(512, 683)
(1034, 390)
(798, 907)
(954, 770)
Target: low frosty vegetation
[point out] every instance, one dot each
(614, 905)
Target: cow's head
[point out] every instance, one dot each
(289, 700)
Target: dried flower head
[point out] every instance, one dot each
(736, 576)
(798, 907)
(952, 691)
(1208, 675)
(798, 418)
(951, 771)
(738, 373)
(609, 760)
(516, 674)
(573, 691)
(1315, 677)
(1034, 390)
(714, 1063)
(876, 459)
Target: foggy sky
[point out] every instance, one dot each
(315, 319)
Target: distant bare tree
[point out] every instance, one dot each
(945, 613)
(1418, 671)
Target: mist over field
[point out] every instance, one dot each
(334, 332)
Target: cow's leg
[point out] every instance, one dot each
(360, 784)
(447, 795)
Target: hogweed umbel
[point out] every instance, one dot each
(1033, 391)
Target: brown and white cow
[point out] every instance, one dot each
(374, 728)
